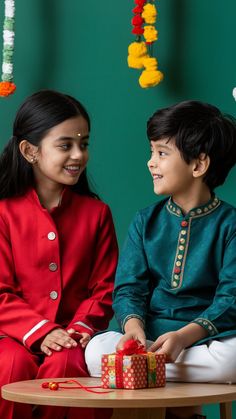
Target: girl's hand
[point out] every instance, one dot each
(170, 343)
(56, 340)
(82, 338)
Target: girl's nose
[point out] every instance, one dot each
(76, 153)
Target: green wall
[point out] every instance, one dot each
(80, 47)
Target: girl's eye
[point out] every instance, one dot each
(84, 146)
(64, 146)
(162, 153)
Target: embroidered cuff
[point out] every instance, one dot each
(212, 330)
(131, 316)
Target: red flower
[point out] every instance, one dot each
(137, 30)
(137, 9)
(137, 20)
(140, 2)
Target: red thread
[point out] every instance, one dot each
(57, 384)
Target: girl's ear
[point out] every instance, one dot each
(201, 165)
(28, 151)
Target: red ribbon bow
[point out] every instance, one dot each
(132, 347)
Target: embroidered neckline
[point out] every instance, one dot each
(200, 211)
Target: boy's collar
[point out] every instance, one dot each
(200, 211)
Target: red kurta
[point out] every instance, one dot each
(56, 268)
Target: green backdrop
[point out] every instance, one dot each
(80, 48)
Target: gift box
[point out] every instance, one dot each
(133, 371)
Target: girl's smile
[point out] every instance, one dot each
(72, 170)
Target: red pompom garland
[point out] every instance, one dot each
(140, 52)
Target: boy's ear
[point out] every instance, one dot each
(201, 165)
(28, 151)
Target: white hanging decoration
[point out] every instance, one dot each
(7, 87)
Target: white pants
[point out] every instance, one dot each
(213, 362)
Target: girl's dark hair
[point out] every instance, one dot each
(197, 128)
(36, 116)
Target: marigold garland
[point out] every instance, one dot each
(140, 52)
(7, 87)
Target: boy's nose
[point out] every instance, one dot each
(151, 163)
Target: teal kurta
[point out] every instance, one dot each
(178, 268)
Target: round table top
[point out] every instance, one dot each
(174, 394)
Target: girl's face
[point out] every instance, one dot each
(63, 154)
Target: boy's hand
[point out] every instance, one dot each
(136, 334)
(56, 340)
(133, 330)
(171, 344)
(82, 338)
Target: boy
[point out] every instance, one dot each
(176, 279)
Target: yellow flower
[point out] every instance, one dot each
(150, 33)
(149, 13)
(151, 76)
(137, 49)
(137, 53)
(150, 63)
(134, 62)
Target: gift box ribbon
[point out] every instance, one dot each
(134, 347)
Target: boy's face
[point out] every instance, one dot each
(171, 174)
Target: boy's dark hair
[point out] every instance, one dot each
(197, 128)
(36, 116)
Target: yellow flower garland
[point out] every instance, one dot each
(137, 52)
(151, 76)
(138, 55)
(149, 13)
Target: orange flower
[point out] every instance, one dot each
(7, 88)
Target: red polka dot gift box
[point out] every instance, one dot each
(133, 370)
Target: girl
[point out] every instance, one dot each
(58, 249)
